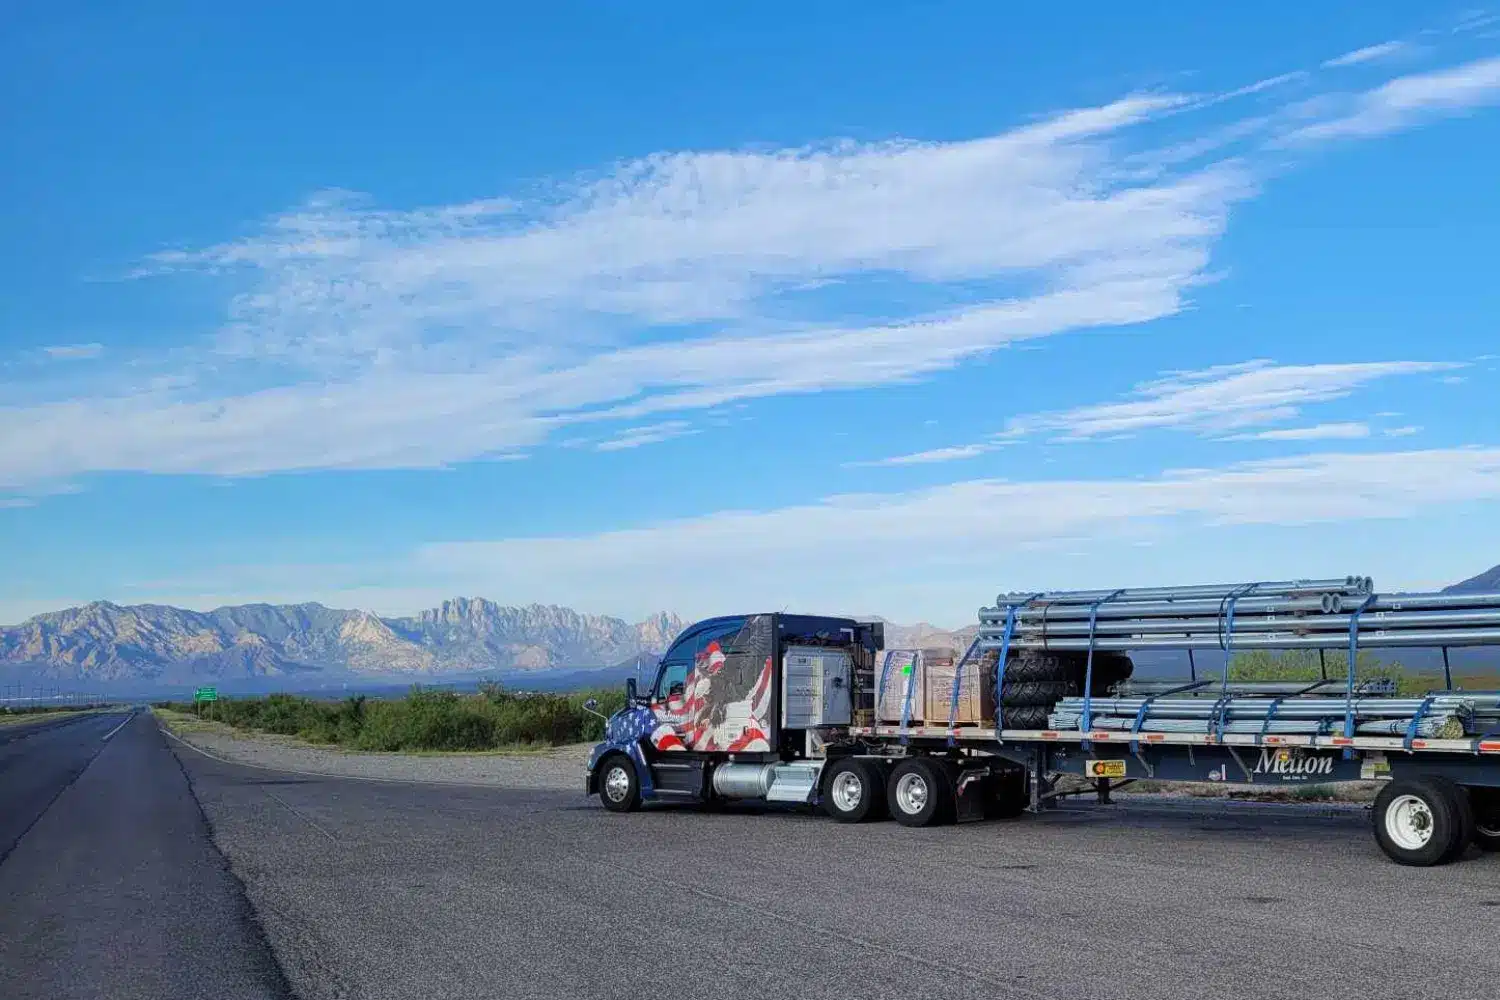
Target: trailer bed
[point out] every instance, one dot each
(972, 735)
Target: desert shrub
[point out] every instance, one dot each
(427, 719)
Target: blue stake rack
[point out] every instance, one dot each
(1005, 640)
(1088, 671)
(958, 681)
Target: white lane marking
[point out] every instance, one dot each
(118, 728)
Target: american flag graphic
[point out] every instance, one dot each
(684, 722)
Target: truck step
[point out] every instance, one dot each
(794, 783)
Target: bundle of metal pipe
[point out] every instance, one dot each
(1441, 726)
(1132, 688)
(1295, 614)
(1290, 708)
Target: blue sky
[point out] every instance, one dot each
(876, 308)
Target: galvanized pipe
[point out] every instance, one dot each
(1268, 623)
(1131, 688)
(1291, 708)
(1355, 586)
(1144, 609)
(1379, 639)
(1431, 727)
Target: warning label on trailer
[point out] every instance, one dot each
(1104, 768)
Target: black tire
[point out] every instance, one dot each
(1046, 693)
(1034, 665)
(1007, 794)
(1418, 821)
(1029, 717)
(1463, 810)
(920, 792)
(1486, 806)
(1110, 668)
(853, 791)
(615, 797)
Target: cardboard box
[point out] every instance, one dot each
(900, 669)
(934, 671)
(976, 692)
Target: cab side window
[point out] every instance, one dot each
(673, 680)
(679, 661)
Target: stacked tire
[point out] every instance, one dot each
(1036, 680)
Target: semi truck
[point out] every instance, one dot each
(816, 711)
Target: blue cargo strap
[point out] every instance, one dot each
(885, 672)
(1086, 723)
(1218, 717)
(1349, 685)
(1411, 729)
(1005, 638)
(1270, 717)
(958, 681)
(1140, 716)
(1226, 628)
(913, 672)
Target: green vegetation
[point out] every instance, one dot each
(1304, 665)
(425, 719)
(23, 710)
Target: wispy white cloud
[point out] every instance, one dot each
(1369, 53)
(73, 352)
(1405, 431)
(369, 337)
(1213, 401)
(979, 523)
(1317, 432)
(1407, 100)
(934, 455)
(635, 437)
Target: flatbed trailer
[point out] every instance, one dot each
(791, 725)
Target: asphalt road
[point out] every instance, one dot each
(368, 889)
(380, 890)
(110, 886)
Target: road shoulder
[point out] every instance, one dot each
(559, 768)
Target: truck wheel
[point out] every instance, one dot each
(1007, 795)
(853, 791)
(1418, 821)
(619, 785)
(1486, 802)
(920, 792)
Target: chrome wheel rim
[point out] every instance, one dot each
(617, 783)
(1408, 822)
(911, 793)
(848, 791)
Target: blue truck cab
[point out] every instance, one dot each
(741, 706)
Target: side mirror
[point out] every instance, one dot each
(592, 707)
(630, 695)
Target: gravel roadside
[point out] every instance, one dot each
(561, 768)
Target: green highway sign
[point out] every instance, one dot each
(206, 694)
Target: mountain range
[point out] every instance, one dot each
(158, 643)
(154, 643)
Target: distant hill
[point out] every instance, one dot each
(152, 642)
(1488, 580)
